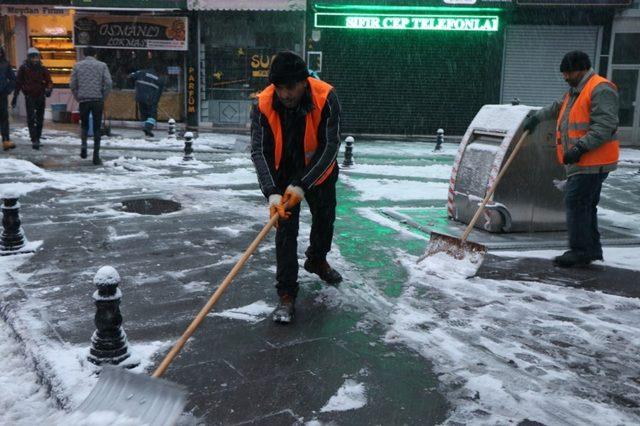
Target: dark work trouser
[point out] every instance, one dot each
(322, 203)
(148, 115)
(582, 195)
(4, 117)
(95, 108)
(35, 115)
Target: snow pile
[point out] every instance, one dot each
(397, 190)
(22, 401)
(350, 396)
(99, 418)
(227, 230)
(252, 313)
(436, 171)
(508, 351)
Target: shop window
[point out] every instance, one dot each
(239, 47)
(122, 62)
(625, 48)
(51, 35)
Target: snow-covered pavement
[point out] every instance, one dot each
(490, 351)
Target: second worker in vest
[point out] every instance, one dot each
(586, 124)
(294, 144)
(149, 86)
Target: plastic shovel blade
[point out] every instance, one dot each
(150, 400)
(455, 247)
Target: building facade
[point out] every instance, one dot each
(413, 68)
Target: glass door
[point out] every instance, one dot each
(627, 82)
(625, 73)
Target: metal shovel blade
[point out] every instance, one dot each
(455, 247)
(151, 400)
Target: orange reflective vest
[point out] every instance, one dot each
(578, 126)
(319, 93)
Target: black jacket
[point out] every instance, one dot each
(292, 170)
(7, 76)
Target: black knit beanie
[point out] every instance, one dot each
(287, 67)
(575, 61)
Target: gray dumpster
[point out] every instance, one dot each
(527, 198)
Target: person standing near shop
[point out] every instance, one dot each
(587, 120)
(149, 86)
(90, 85)
(34, 81)
(294, 144)
(7, 85)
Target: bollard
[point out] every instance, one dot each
(515, 101)
(12, 239)
(348, 152)
(109, 342)
(172, 127)
(188, 149)
(439, 139)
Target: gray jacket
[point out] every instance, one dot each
(603, 121)
(90, 80)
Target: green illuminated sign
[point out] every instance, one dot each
(420, 22)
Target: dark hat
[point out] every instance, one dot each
(287, 67)
(575, 61)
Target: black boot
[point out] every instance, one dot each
(35, 144)
(572, 258)
(83, 147)
(285, 311)
(96, 153)
(322, 268)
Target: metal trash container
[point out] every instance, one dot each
(527, 198)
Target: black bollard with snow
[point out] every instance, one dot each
(109, 342)
(439, 139)
(348, 152)
(172, 127)
(188, 148)
(12, 240)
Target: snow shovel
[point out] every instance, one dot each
(460, 248)
(152, 400)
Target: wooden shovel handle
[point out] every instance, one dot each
(494, 186)
(214, 298)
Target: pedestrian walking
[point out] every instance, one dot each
(7, 85)
(90, 85)
(34, 81)
(586, 123)
(294, 144)
(149, 86)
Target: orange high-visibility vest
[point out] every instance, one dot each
(319, 93)
(579, 119)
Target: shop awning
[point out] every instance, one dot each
(282, 5)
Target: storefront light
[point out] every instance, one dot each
(396, 9)
(54, 30)
(415, 22)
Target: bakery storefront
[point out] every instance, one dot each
(129, 42)
(47, 26)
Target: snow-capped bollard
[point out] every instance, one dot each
(109, 342)
(439, 139)
(188, 149)
(172, 127)
(348, 152)
(12, 238)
